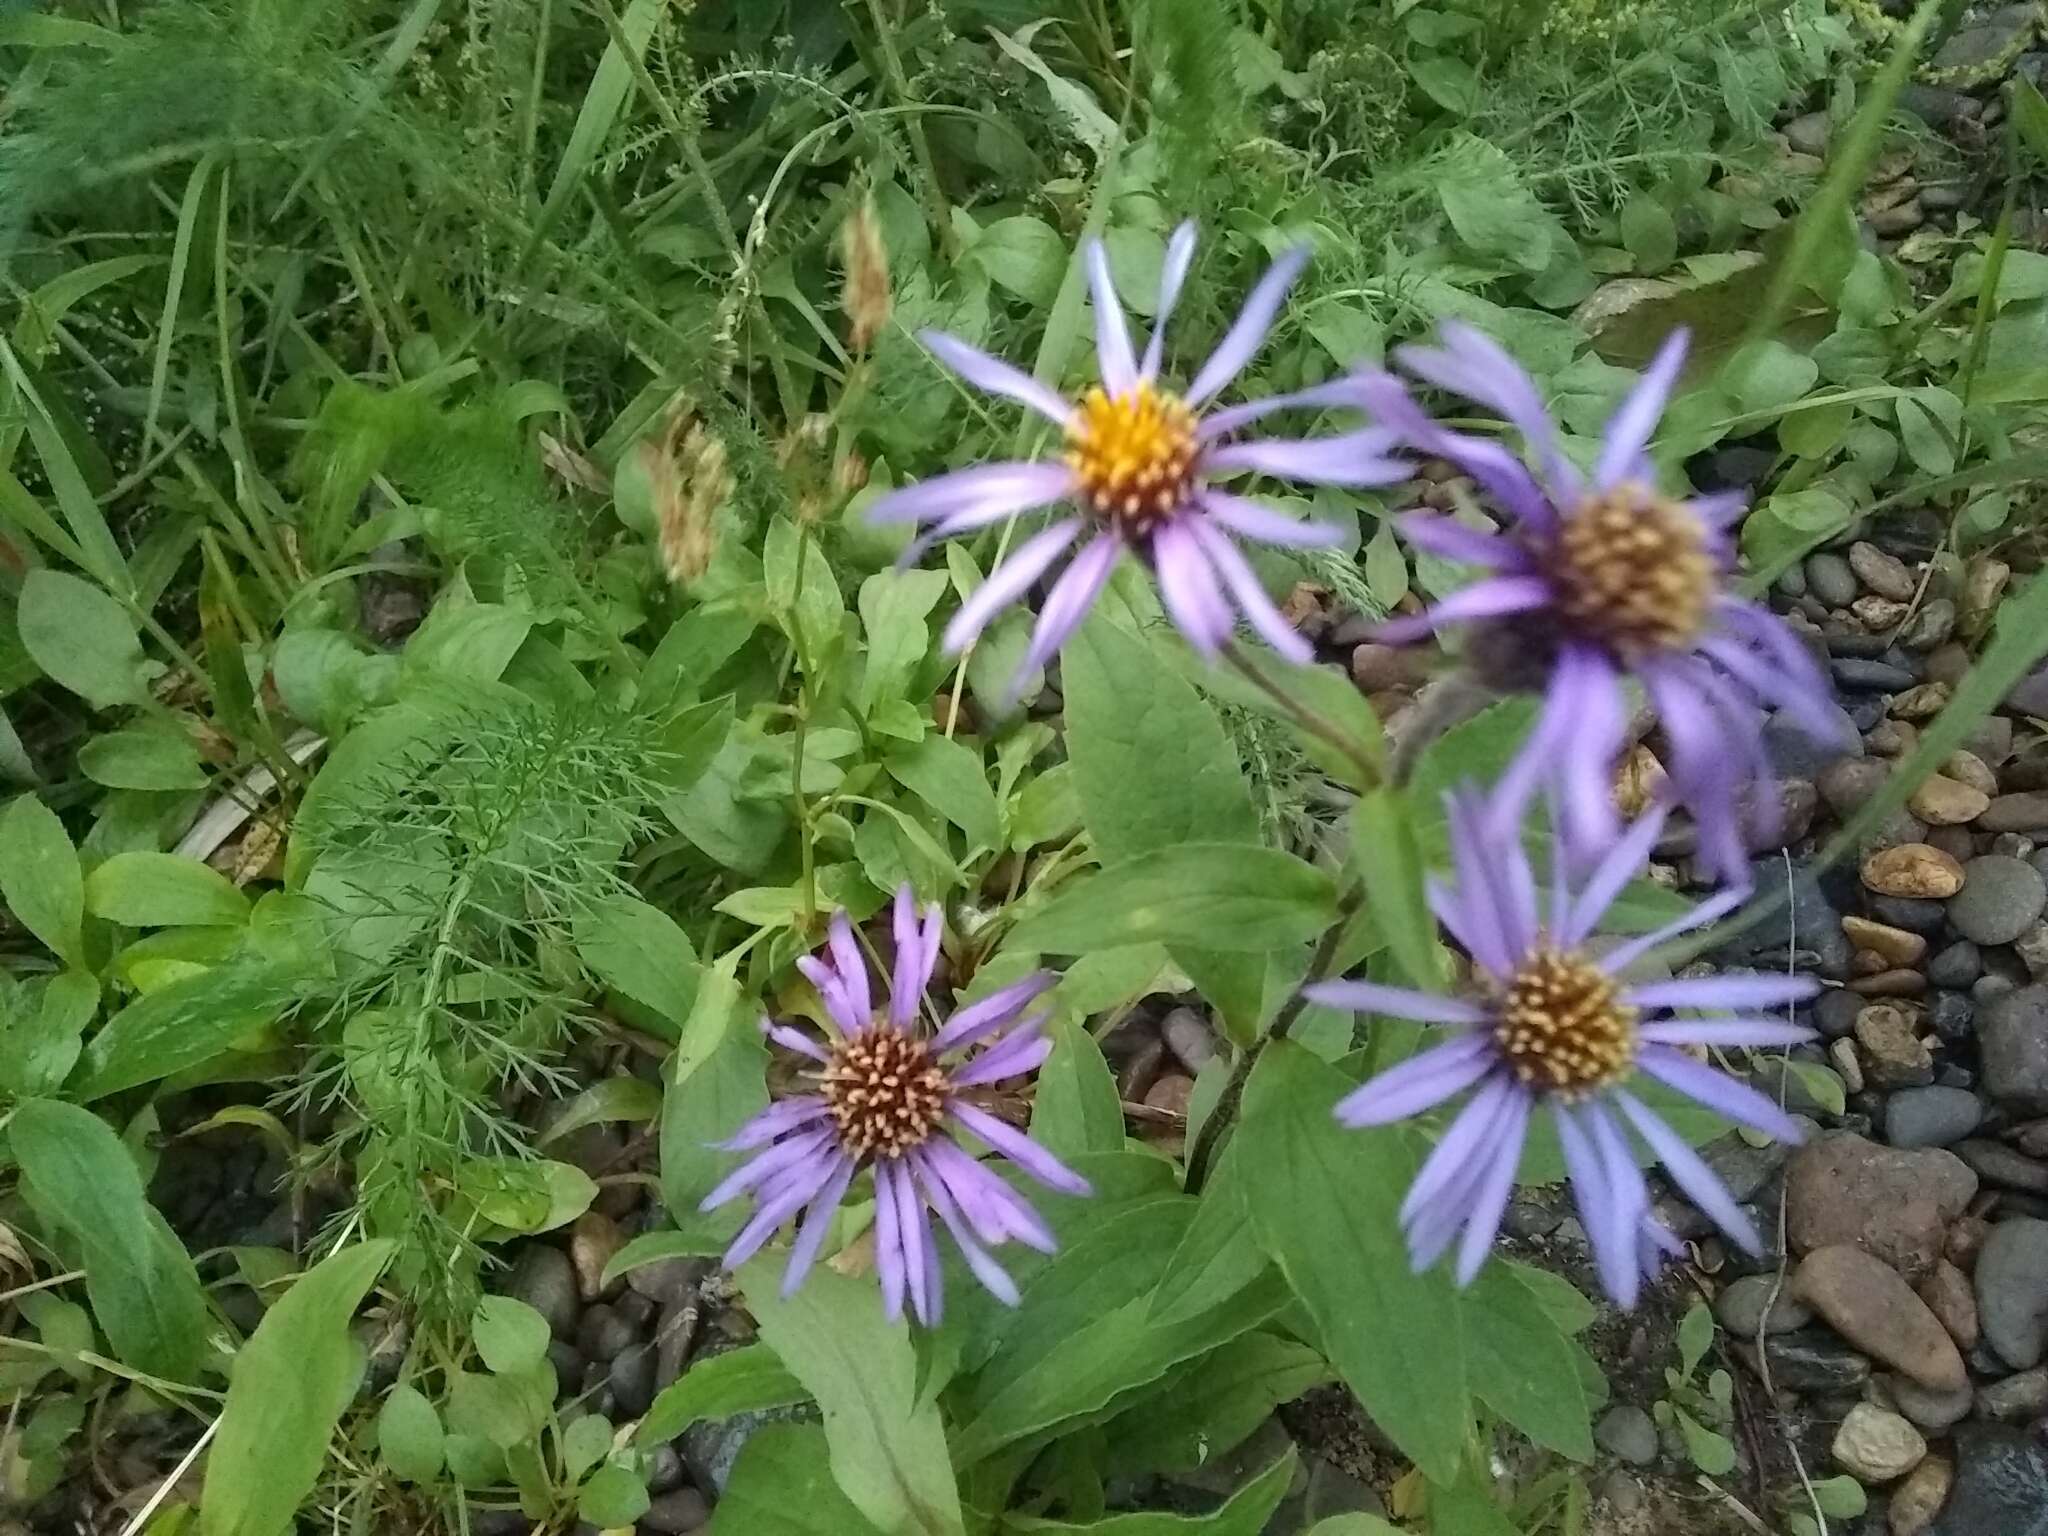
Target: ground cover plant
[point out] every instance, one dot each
(1123, 766)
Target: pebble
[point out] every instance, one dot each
(1625, 1431)
(1813, 1361)
(1991, 740)
(1842, 1057)
(1894, 1204)
(1931, 626)
(667, 1280)
(544, 1279)
(1848, 782)
(1893, 1053)
(1968, 768)
(2001, 898)
(1922, 703)
(1866, 1302)
(2032, 949)
(1892, 738)
(1941, 801)
(1743, 1169)
(1948, 1295)
(1913, 870)
(1740, 1307)
(1830, 578)
(1931, 1117)
(2026, 811)
(2012, 1291)
(2001, 1485)
(1959, 843)
(631, 1379)
(592, 1241)
(2004, 1167)
(1934, 1412)
(1917, 1500)
(2019, 1396)
(1899, 946)
(1983, 583)
(1875, 1445)
(2012, 1039)
(1834, 1015)
(1950, 1016)
(1868, 675)
(1880, 615)
(676, 1512)
(1910, 912)
(1886, 575)
(1956, 965)
(2029, 696)
(1796, 753)
(1188, 1036)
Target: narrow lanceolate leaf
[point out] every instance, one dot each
(87, 1192)
(290, 1383)
(888, 1447)
(743, 1380)
(1390, 865)
(1244, 1514)
(1076, 1108)
(40, 878)
(1210, 896)
(1325, 1206)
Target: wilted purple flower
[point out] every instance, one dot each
(1555, 1027)
(1141, 465)
(1594, 582)
(888, 1101)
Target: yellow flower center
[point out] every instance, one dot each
(885, 1093)
(1562, 1026)
(1633, 569)
(1134, 454)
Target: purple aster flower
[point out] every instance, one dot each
(888, 1102)
(1141, 468)
(1555, 1028)
(1601, 580)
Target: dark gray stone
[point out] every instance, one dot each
(1794, 753)
(667, 1280)
(1931, 1117)
(2012, 1036)
(2012, 1291)
(2006, 1167)
(1952, 1016)
(1814, 1361)
(1627, 1432)
(2001, 1485)
(1741, 1307)
(1955, 965)
(1743, 1169)
(1811, 920)
(674, 1513)
(1909, 912)
(664, 1469)
(2002, 897)
(1928, 1409)
(2020, 1396)
(1870, 676)
(1834, 1013)
(1848, 782)
(711, 1446)
(544, 1279)
(631, 1379)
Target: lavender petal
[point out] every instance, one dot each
(1700, 1184)
(889, 1263)
(852, 966)
(1472, 364)
(1112, 335)
(1247, 332)
(783, 1155)
(1263, 525)
(1628, 432)
(1486, 599)
(1173, 273)
(1217, 425)
(1620, 958)
(1351, 459)
(1019, 1052)
(997, 377)
(1071, 598)
(1188, 587)
(1622, 864)
(1719, 1092)
(1021, 1150)
(1613, 1258)
(1399, 1002)
(1463, 1143)
(993, 1277)
(793, 1040)
(993, 1012)
(774, 1210)
(832, 988)
(1754, 991)
(1436, 534)
(1417, 1084)
(810, 1236)
(778, 1119)
(1252, 601)
(1750, 1034)
(993, 489)
(1009, 581)
(1490, 1199)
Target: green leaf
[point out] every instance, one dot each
(82, 638)
(1208, 1409)
(807, 602)
(717, 1078)
(1449, 82)
(186, 1022)
(142, 760)
(1485, 198)
(742, 1380)
(1244, 1514)
(948, 776)
(1218, 1256)
(2030, 116)
(1388, 858)
(1325, 1209)
(1215, 896)
(1930, 426)
(586, 1440)
(1695, 1337)
(39, 1046)
(1522, 1365)
(782, 1486)
(1710, 1451)
(1843, 1498)
(409, 1435)
(40, 877)
(164, 890)
(86, 1190)
(468, 642)
(1024, 255)
(509, 1335)
(893, 608)
(640, 951)
(1077, 1108)
(607, 1101)
(1353, 1525)
(289, 1385)
(612, 1498)
(1649, 234)
(888, 1446)
(1765, 375)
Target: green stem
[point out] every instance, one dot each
(935, 207)
(1362, 757)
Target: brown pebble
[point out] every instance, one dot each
(1949, 1296)
(1170, 1093)
(1878, 614)
(2023, 812)
(1895, 945)
(1913, 869)
(1865, 1301)
(1892, 738)
(1967, 767)
(1945, 802)
(592, 1242)
(1885, 574)
(1896, 1056)
(1922, 703)
(1917, 1500)
(1965, 1236)
(1983, 582)
(1948, 662)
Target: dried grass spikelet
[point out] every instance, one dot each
(687, 470)
(866, 297)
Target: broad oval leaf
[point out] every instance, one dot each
(1213, 896)
(164, 890)
(82, 638)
